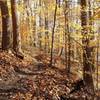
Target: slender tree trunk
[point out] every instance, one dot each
(16, 30)
(59, 3)
(66, 60)
(46, 33)
(53, 31)
(97, 63)
(6, 33)
(67, 40)
(40, 25)
(69, 54)
(87, 52)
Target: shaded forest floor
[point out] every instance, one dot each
(33, 79)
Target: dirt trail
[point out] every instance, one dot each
(30, 79)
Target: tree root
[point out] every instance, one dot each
(26, 73)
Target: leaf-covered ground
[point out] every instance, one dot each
(33, 79)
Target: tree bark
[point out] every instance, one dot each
(6, 33)
(46, 35)
(67, 39)
(16, 30)
(87, 52)
(53, 31)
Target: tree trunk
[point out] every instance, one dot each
(46, 33)
(53, 31)
(16, 30)
(87, 52)
(67, 39)
(40, 25)
(6, 33)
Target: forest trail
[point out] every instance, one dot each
(22, 78)
(33, 79)
(49, 49)
(36, 54)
